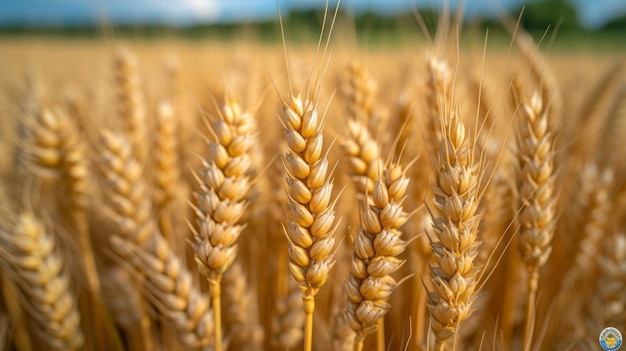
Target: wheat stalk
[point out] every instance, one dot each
(376, 245)
(131, 105)
(127, 193)
(595, 111)
(363, 153)
(224, 184)
(288, 321)
(167, 179)
(363, 157)
(438, 97)
(170, 287)
(241, 316)
(310, 214)
(455, 229)
(343, 335)
(56, 149)
(594, 215)
(123, 301)
(129, 203)
(535, 191)
(29, 249)
(359, 91)
(607, 305)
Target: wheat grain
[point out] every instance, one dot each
(363, 157)
(438, 98)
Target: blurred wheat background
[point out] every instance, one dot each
(441, 185)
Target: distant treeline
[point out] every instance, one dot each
(305, 25)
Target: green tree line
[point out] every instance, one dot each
(537, 17)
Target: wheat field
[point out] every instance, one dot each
(175, 195)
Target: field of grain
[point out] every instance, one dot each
(175, 195)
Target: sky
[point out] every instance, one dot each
(593, 13)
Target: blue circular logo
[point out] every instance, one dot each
(610, 339)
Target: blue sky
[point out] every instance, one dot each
(592, 12)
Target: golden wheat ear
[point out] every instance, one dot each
(593, 208)
(131, 105)
(536, 196)
(358, 90)
(588, 221)
(169, 286)
(310, 205)
(363, 153)
(163, 279)
(129, 205)
(127, 196)
(606, 307)
(38, 270)
(167, 180)
(56, 152)
(223, 198)
(376, 246)
(454, 230)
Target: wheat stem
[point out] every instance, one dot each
(216, 292)
(358, 343)
(533, 283)
(309, 308)
(440, 345)
(165, 226)
(16, 315)
(380, 334)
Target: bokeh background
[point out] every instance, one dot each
(219, 19)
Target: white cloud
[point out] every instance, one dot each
(202, 9)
